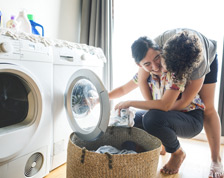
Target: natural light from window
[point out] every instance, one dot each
(135, 18)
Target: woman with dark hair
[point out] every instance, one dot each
(202, 80)
(166, 83)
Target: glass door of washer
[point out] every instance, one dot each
(87, 105)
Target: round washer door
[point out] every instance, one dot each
(21, 106)
(87, 105)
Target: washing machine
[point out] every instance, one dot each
(26, 89)
(66, 62)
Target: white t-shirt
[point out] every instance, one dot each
(209, 50)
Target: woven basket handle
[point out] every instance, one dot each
(83, 155)
(109, 156)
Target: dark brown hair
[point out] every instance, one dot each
(182, 54)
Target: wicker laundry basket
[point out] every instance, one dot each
(83, 163)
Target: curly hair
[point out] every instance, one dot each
(182, 53)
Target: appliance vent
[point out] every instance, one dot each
(34, 164)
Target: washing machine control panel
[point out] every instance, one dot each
(77, 57)
(20, 49)
(9, 48)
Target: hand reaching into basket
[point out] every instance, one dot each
(122, 105)
(125, 105)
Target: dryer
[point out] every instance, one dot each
(66, 62)
(26, 127)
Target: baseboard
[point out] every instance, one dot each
(202, 137)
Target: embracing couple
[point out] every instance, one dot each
(177, 78)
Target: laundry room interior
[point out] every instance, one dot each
(69, 83)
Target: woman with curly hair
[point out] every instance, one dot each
(166, 86)
(182, 54)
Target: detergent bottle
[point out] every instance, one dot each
(1, 19)
(23, 22)
(34, 25)
(12, 23)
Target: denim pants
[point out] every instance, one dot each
(167, 126)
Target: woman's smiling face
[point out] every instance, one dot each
(152, 62)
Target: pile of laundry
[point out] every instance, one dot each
(128, 147)
(125, 118)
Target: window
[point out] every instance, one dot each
(136, 18)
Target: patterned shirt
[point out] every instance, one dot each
(158, 86)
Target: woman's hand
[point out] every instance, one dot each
(92, 102)
(122, 105)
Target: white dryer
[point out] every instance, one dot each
(66, 62)
(26, 127)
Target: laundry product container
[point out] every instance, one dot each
(88, 111)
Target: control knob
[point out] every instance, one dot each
(6, 47)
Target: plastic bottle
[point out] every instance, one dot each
(1, 19)
(12, 23)
(34, 25)
(23, 22)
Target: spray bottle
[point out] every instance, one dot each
(1, 19)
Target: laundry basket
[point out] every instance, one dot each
(83, 162)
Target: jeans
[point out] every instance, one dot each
(167, 126)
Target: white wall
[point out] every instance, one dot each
(60, 18)
(69, 20)
(151, 18)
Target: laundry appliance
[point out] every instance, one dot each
(26, 89)
(67, 60)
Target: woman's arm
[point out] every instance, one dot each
(191, 90)
(143, 83)
(163, 104)
(122, 90)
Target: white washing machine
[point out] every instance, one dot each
(66, 62)
(26, 89)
